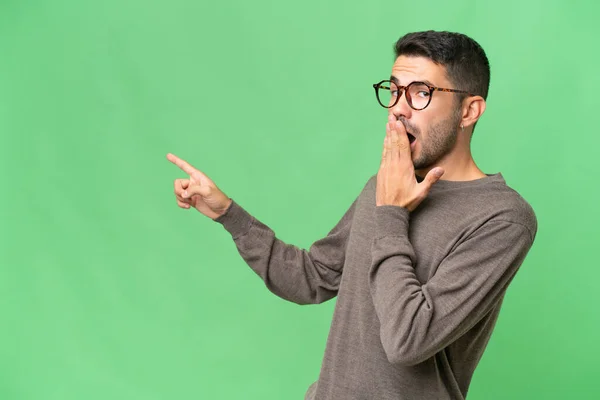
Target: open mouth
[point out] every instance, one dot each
(411, 138)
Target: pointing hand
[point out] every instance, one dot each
(198, 191)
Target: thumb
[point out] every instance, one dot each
(202, 190)
(432, 177)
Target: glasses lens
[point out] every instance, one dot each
(387, 92)
(419, 95)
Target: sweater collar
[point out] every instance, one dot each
(446, 184)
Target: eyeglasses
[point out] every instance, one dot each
(418, 94)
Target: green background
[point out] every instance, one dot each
(109, 291)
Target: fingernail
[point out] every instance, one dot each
(185, 193)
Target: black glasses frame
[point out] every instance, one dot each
(405, 89)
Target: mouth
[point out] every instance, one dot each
(411, 138)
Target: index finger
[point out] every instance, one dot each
(400, 136)
(184, 165)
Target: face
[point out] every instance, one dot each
(434, 128)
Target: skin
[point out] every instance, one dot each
(442, 147)
(198, 191)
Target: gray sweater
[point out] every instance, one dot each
(418, 293)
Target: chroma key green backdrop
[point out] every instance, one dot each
(109, 291)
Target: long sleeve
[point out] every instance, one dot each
(294, 274)
(418, 320)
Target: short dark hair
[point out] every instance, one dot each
(466, 64)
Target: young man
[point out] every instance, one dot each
(421, 260)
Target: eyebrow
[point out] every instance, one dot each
(397, 82)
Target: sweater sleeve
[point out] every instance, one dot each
(298, 275)
(418, 320)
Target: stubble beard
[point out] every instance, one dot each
(440, 141)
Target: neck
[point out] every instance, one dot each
(458, 165)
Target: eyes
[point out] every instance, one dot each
(414, 92)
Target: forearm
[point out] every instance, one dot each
(298, 275)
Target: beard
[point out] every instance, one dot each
(439, 140)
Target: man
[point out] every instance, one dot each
(419, 263)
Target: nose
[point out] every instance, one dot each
(401, 108)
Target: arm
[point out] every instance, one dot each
(294, 274)
(291, 273)
(418, 320)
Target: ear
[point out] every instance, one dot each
(472, 108)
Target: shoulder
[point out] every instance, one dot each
(505, 204)
(470, 205)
